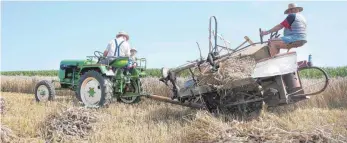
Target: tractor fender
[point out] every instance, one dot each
(102, 69)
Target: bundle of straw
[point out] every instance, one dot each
(74, 123)
(231, 70)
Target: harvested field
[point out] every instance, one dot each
(321, 119)
(7, 134)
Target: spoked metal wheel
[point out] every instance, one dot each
(44, 91)
(131, 88)
(94, 89)
(241, 104)
(314, 80)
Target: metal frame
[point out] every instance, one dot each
(214, 59)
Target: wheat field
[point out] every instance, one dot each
(323, 118)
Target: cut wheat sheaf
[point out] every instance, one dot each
(229, 71)
(73, 123)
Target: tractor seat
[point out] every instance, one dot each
(111, 60)
(296, 44)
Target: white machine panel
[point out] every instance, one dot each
(282, 64)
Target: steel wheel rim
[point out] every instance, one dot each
(129, 99)
(90, 91)
(42, 93)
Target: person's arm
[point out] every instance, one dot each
(127, 49)
(105, 53)
(276, 28)
(107, 49)
(286, 23)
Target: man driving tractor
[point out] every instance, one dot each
(294, 30)
(118, 47)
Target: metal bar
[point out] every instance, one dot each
(209, 37)
(225, 48)
(248, 101)
(326, 83)
(219, 58)
(193, 76)
(73, 77)
(215, 36)
(169, 100)
(199, 51)
(221, 37)
(187, 66)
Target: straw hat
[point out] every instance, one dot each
(292, 6)
(122, 33)
(133, 49)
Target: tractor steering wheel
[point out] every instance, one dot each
(99, 55)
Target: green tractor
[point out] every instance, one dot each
(96, 83)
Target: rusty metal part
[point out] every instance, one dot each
(326, 83)
(169, 100)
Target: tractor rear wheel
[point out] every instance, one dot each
(94, 89)
(44, 91)
(132, 88)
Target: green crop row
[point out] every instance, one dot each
(31, 73)
(330, 71)
(312, 73)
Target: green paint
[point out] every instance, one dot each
(78, 63)
(120, 62)
(91, 92)
(42, 92)
(68, 78)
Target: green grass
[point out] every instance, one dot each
(331, 71)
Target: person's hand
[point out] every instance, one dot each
(264, 32)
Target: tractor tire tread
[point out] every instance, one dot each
(106, 85)
(50, 88)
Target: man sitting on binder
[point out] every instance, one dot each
(118, 47)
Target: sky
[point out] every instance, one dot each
(38, 35)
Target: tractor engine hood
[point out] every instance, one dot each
(76, 62)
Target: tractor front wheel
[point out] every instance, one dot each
(44, 91)
(94, 89)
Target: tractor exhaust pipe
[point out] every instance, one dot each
(169, 100)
